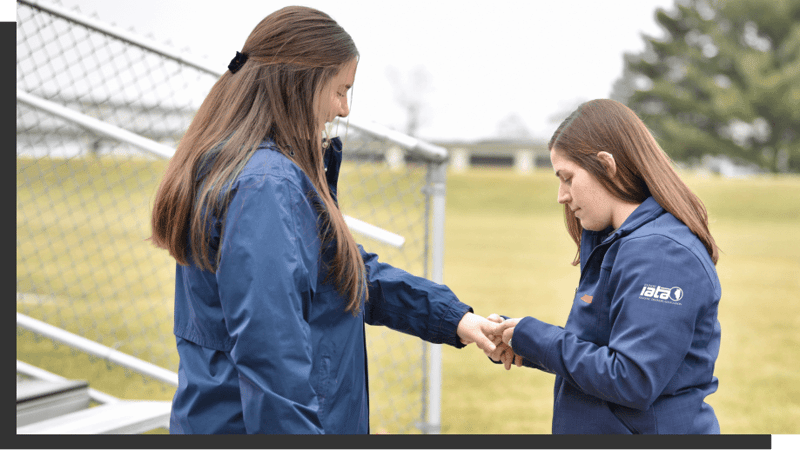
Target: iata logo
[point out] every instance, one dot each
(660, 293)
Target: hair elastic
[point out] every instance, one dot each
(237, 62)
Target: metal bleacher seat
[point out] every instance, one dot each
(123, 417)
(50, 404)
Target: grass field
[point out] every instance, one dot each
(507, 252)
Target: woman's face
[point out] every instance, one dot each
(591, 203)
(333, 96)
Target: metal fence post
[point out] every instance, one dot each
(437, 182)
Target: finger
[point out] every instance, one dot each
(500, 326)
(503, 357)
(518, 360)
(507, 334)
(489, 327)
(484, 343)
(497, 354)
(506, 324)
(495, 318)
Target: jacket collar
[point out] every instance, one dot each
(332, 158)
(646, 212)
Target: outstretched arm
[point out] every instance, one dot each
(411, 304)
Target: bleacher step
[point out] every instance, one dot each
(124, 417)
(39, 400)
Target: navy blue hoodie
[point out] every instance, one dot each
(265, 343)
(637, 352)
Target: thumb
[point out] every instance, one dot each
(495, 318)
(484, 343)
(510, 323)
(507, 335)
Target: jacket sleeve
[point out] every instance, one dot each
(411, 304)
(649, 337)
(268, 260)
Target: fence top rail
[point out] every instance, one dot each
(425, 150)
(118, 33)
(95, 125)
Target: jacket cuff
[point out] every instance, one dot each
(447, 331)
(533, 339)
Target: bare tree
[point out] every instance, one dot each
(513, 127)
(410, 90)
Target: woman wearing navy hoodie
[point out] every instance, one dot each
(638, 349)
(272, 292)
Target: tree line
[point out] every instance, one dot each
(724, 79)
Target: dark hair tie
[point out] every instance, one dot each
(237, 62)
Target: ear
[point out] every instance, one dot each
(608, 160)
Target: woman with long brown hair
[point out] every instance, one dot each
(271, 290)
(638, 349)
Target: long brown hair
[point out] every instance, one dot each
(291, 55)
(643, 169)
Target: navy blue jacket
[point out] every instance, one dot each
(265, 344)
(637, 352)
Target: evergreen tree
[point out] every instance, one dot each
(725, 79)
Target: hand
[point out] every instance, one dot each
(484, 333)
(497, 339)
(507, 329)
(503, 351)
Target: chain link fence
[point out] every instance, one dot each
(84, 196)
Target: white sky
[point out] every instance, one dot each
(533, 58)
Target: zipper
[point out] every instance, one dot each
(603, 243)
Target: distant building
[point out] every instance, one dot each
(522, 155)
(727, 167)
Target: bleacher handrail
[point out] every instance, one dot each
(96, 349)
(95, 125)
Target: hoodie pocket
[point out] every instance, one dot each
(324, 377)
(637, 421)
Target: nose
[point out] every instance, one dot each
(344, 109)
(563, 194)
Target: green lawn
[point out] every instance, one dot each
(507, 251)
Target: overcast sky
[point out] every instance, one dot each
(482, 64)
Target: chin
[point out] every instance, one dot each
(592, 227)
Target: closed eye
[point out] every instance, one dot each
(563, 177)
